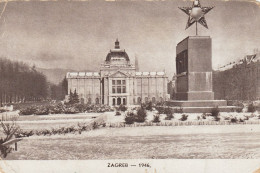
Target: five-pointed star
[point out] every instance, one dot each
(196, 13)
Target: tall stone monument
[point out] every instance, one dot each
(194, 67)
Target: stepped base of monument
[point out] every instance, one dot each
(200, 106)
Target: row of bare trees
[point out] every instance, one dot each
(20, 82)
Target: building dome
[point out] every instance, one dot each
(117, 53)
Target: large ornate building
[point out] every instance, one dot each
(118, 82)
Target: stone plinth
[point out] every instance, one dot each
(202, 106)
(194, 69)
(202, 103)
(194, 92)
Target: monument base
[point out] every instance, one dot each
(206, 95)
(200, 106)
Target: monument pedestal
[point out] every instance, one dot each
(194, 76)
(200, 106)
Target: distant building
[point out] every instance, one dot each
(118, 82)
(172, 88)
(238, 80)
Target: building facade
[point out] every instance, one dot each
(238, 80)
(118, 82)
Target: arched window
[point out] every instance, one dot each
(124, 101)
(118, 101)
(146, 99)
(153, 100)
(134, 100)
(114, 101)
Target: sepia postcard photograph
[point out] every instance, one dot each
(169, 86)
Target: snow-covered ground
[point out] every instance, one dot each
(182, 142)
(112, 118)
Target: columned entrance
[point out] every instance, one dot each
(119, 100)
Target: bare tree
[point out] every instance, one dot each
(8, 130)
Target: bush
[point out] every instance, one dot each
(184, 117)
(215, 112)
(226, 118)
(241, 120)
(94, 125)
(251, 108)
(156, 118)
(217, 118)
(42, 110)
(168, 111)
(233, 120)
(169, 117)
(57, 109)
(81, 107)
(160, 110)
(239, 109)
(130, 118)
(149, 106)
(141, 115)
(246, 118)
(117, 113)
(169, 114)
(71, 110)
(28, 110)
(122, 108)
(178, 110)
(61, 108)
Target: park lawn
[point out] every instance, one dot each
(199, 142)
(42, 122)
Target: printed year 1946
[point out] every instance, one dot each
(147, 165)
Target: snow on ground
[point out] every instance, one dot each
(160, 130)
(191, 116)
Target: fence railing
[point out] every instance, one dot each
(7, 116)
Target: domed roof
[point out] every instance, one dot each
(117, 53)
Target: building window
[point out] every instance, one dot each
(118, 86)
(114, 101)
(118, 101)
(113, 89)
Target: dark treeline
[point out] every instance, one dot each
(58, 92)
(22, 83)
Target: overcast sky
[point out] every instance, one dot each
(78, 35)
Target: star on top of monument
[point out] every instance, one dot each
(196, 14)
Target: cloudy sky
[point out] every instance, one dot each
(78, 35)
